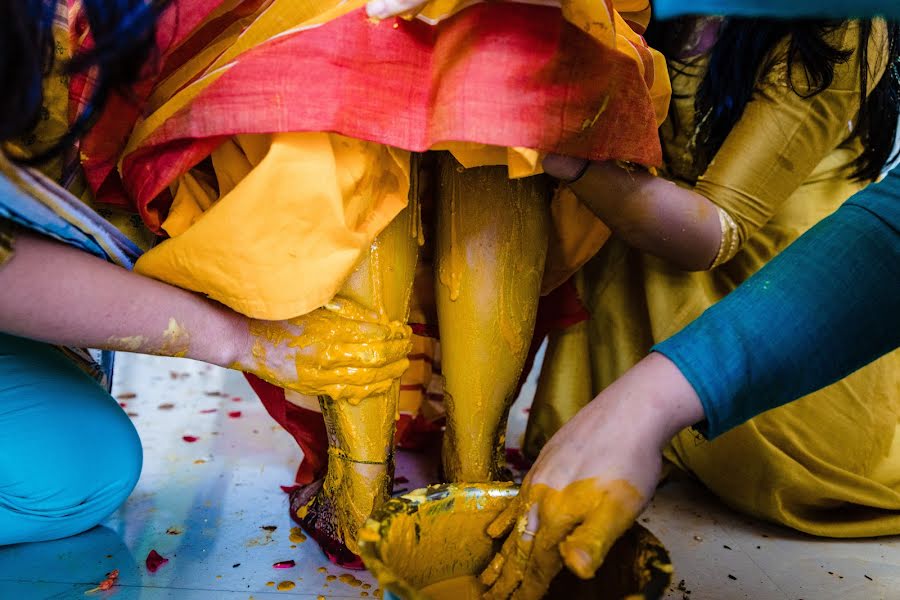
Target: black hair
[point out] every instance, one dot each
(122, 34)
(744, 53)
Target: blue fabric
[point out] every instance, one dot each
(665, 9)
(69, 455)
(825, 307)
(63, 217)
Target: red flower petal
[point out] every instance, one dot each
(190, 439)
(234, 414)
(155, 561)
(285, 564)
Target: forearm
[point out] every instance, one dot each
(653, 214)
(60, 295)
(828, 305)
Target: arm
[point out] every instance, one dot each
(667, 9)
(650, 213)
(826, 306)
(57, 294)
(780, 139)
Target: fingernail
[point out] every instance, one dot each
(578, 561)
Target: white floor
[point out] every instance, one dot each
(205, 505)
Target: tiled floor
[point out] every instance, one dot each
(205, 505)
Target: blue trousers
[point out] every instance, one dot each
(69, 455)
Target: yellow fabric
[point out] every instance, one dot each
(828, 464)
(246, 233)
(577, 235)
(282, 241)
(7, 241)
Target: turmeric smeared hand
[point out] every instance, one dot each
(341, 350)
(547, 527)
(590, 482)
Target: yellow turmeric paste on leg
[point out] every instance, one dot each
(491, 244)
(360, 461)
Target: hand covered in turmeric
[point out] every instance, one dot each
(341, 350)
(590, 482)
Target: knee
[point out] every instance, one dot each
(69, 455)
(69, 489)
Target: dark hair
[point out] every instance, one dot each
(122, 34)
(744, 52)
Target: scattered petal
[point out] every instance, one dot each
(107, 583)
(166, 406)
(284, 564)
(126, 396)
(155, 561)
(235, 414)
(236, 398)
(131, 414)
(190, 439)
(208, 411)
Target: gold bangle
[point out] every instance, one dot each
(729, 245)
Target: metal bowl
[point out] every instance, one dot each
(404, 545)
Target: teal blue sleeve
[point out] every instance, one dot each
(664, 9)
(826, 306)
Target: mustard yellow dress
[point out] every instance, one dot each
(828, 464)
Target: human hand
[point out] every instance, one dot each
(341, 350)
(565, 168)
(383, 9)
(590, 482)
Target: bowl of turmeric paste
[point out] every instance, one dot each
(430, 544)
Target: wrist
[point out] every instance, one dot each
(671, 396)
(655, 399)
(226, 342)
